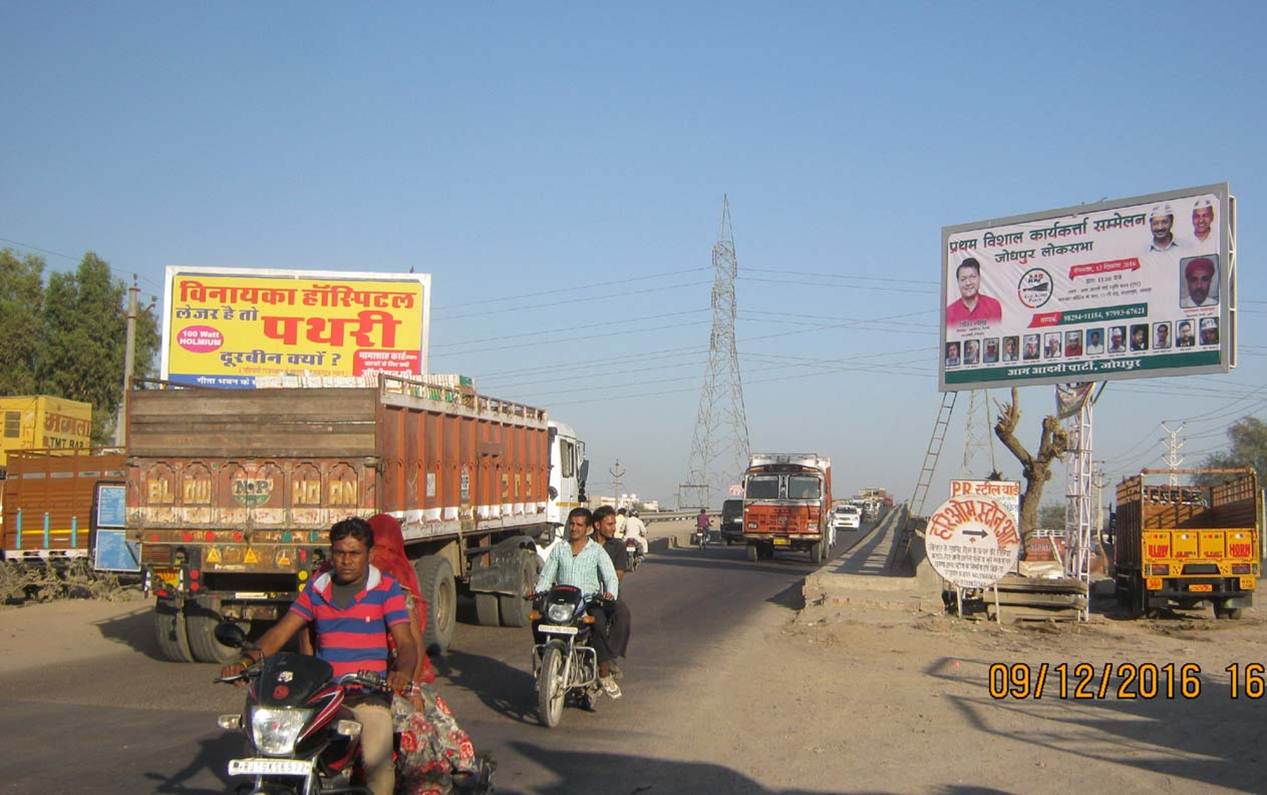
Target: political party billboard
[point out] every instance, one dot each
(1129, 288)
(226, 327)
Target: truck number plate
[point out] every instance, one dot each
(1201, 588)
(782, 542)
(556, 630)
(269, 767)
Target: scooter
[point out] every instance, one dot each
(564, 664)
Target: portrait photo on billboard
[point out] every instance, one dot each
(1199, 281)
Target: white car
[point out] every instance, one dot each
(846, 517)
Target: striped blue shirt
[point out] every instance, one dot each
(591, 570)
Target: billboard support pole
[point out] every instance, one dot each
(1078, 490)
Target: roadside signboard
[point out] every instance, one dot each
(973, 538)
(225, 327)
(111, 550)
(1140, 287)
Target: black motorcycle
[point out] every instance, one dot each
(564, 664)
(300, 736)
(634, 552)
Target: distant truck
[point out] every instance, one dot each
(232, 493)
(1188, 544)
(43, 422)
(50, 501)
(787, 502)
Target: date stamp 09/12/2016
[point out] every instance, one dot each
(1122, 681)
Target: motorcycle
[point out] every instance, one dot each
(300, 736)
(634, 552)
(564, 664)
(701, 537)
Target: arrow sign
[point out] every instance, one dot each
(977, 533)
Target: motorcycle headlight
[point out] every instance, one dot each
(560, 614)
(276, 730)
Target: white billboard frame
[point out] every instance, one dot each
(1123, 367)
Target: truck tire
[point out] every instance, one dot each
(200, 623)
(816, 552)
(515, 608)
(169, 632)
(1221, 610)
(753, 555)
(435, 578)
(487, 613)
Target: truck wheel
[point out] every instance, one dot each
(816, 552)
(435, 578)
(487, 613)
(169, 632)
(515, 608)
(201, 624)
(752, 553)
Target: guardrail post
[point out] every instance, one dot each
(19, 528)
(74, 532)
(46, 529)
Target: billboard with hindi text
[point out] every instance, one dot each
(226, 327)
(1127, 288)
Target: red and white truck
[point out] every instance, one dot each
(231, 494)
(787, 505)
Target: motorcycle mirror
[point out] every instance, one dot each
(230, 634)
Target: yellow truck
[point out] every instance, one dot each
(43, 422)
(1185, 545)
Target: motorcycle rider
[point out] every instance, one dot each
(584, 564)
(618, 617)
(702, 523)
(636, 529)
(353, 594)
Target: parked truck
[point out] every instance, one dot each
(787, 502)
(50, 501)
(1188, 544)
(232, 493)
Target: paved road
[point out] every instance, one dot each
(129, 722)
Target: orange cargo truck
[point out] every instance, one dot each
(231, 494)
(1185, 545)
(787, 505)
(50, 501)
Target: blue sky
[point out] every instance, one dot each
(512, 150)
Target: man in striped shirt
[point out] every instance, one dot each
(353, 607)
(584, 564)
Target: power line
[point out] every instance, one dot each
(903, 290)
(51, 252)
(569, 337)
(845, 276)
(555, 330)
(555, 305)
(561, 290)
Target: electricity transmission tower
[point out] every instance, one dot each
(719, 447)
(977, 436)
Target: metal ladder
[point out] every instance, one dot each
(933, 452)
(906, 531)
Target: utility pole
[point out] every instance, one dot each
(1097, 482)
(129, 356)
(617, 472)
(1173, 445)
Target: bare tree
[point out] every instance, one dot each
(1036, 468)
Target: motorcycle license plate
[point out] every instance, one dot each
(557, 630)
(269, 767)
(782, 542)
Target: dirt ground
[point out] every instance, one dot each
(847, 699)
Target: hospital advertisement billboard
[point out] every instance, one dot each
(1128, 288)
(226, 327)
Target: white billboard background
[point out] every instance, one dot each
(1074, 288)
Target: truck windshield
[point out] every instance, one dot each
(802, 487)
(763, 488)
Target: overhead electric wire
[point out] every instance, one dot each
(555, 304)
(841, 276)
(556, 330)
(561, 290)
(143, 279)
(793, 282)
